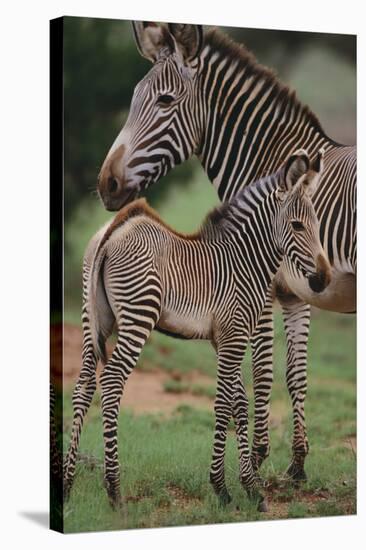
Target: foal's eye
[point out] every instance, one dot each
(297, 226)
(165, 100)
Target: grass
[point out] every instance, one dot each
(179, 386)
(165, 460)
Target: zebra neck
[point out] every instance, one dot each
(251, 223)
(250, 122)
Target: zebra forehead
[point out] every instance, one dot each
(299, 204)
(169, 70)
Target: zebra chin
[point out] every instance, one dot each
(114, 202)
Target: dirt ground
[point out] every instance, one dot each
(144, 391)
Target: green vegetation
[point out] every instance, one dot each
(165, 458)
(178, 386)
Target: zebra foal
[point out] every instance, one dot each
(141, 275)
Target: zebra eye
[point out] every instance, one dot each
(165, 100)
(297, 226)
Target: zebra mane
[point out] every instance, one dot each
(222, 43)
(218, 223)
(226, 218)
(135, 208)
(140, 207)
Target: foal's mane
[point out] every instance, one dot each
(211, 228)
(216, 225)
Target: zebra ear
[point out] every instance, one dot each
(189, 39)
(310, 183)
(151, 39)
(296, 166)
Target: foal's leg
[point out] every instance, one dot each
(230, 355)
(240, 414)
(297, 321)
(138, 321)
(262, 364)
(81, 399)
(55, 451)
(86, 384)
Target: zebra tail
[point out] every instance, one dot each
(95, 278)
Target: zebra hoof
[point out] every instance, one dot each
(224, 498)
(115, 502)
(256, 496)
(296, 473)
(114, 494)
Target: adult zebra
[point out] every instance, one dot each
(207, 95)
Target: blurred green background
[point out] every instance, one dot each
(101, 68)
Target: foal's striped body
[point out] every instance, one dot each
(141, 275)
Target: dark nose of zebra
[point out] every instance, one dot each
(111, 179)
(317, 282)
(112, 185)
(321, 279)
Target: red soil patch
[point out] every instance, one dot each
(144, 391)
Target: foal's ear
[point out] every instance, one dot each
(310, 183)
(295, 167)
(189, 39)
(151, 39)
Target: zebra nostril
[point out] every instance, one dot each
(318, 282)
(112, 185)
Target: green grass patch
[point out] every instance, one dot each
(176, 386)
(181, 386)
(165, 461)
(203, 390)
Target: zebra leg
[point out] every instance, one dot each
(247, 476)
(131, 339)
(230, 355)
(112, 383)
(55, 451)
(56, 480)
(262, 364)
(297, 321)
(81, 399)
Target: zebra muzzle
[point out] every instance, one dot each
(321, 279)
(114, 200)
